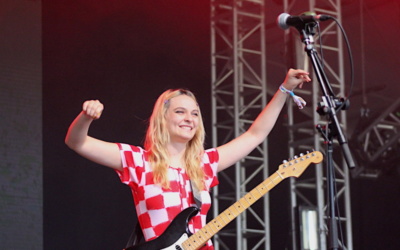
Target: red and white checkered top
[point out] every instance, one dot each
(156, 207)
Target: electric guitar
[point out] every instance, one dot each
(178, 236)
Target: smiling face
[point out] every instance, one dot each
(182, 118)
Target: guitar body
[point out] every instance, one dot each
(176, 233)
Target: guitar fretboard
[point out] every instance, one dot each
(203, 235)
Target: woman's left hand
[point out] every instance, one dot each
(296, 78)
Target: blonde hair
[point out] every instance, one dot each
(157, 137)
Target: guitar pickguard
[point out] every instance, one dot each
(178, 243)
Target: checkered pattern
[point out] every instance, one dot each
(157, 207)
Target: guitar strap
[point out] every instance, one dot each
(196, 194)
(135, 238)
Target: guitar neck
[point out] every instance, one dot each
(203, 235)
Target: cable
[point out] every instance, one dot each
(351, 64)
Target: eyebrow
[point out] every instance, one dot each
(197, 110)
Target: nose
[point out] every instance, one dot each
(188, 118)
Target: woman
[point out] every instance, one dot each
(173, 162)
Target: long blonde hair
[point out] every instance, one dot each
(157, 137)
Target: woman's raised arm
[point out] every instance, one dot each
(241, 146)
(77, 138)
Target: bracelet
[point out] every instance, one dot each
(297, 99)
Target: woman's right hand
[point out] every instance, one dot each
(77, 138)
(93, 109)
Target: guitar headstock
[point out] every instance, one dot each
(298, 165)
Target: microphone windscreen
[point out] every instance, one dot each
(281, 21)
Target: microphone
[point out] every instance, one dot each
(285, 20)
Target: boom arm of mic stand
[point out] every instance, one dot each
(322, 79)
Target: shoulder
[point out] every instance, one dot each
(127, 148)
(131, 148)
(211, 155)
(210, 167)
(135, 155)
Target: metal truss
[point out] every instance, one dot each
(309, 190)
(376, 137)
(376, 142)
(238, 95)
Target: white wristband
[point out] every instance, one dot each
(297, 99)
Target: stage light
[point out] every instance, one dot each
(308, 220)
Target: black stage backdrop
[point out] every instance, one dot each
(125, 53)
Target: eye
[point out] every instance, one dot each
(179, 111)
(195, 114)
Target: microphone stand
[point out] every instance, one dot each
(328, 107)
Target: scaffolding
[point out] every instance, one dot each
(239, 85)
(309, 191)
(376, 141)
(238, 95)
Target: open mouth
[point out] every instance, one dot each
(185, 127)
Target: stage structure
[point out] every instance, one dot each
(239, 87)
(309, 191)
(238, 94)
(376, 141)
(376, 137)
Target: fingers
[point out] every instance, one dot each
(300, 74)
(296, 78)
(93, 108)
(303, 79)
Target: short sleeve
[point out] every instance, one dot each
(210, 165)
(133, 164)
